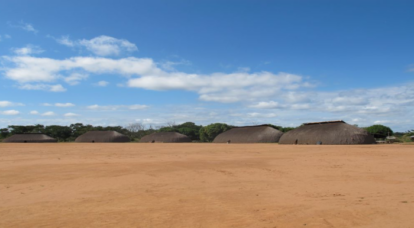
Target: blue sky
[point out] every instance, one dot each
(239, 62)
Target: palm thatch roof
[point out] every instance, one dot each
(102, 137)
(30, 138)
(165, 137)
(327, 133)
(249, 134)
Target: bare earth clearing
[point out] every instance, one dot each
(206, 185)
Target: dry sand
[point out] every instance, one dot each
(206, 185)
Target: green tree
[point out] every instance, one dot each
(209, 132)
(20, 129)
(379, 131)
(4, 133)
(79, 129)
(189, 129)
(61, 133)
(286, 129)
(280, 128)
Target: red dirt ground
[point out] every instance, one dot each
(206, 185)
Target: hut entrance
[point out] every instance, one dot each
(228, 142)
(296, 142)
(153, 141)
(93, 141)
(25, 141)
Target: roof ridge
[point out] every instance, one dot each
(325, 122)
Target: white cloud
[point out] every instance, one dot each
(261, 115)
(117, 107)
(169, 65)
(60, 105)
(25, 26)
(74, 78)
(29, 28)
(106, 45)
(9, 104)
(34, 112)
(64, 105)
(10, 112)
(51, 88)
(101, 45)
(385, 101)
(28, 50)
(33, 69)
(243, 69)
(220, 87)
(65, 40)
(102, 83)
(48, 114)
(5, 36)
(70, 114)
(267, 105)
(137, 107)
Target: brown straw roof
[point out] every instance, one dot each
(102, 137)
(165, 137)
(250, 134)
(30, 138)
(327, 133)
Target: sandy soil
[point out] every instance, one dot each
(206, 185)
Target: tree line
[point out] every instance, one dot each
(136, 131)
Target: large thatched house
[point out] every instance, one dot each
(102, 137)
(30, 138)
(250, 134)
(329, 132)
(165, 137)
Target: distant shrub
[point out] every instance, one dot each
(379, 131)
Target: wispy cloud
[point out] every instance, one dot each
(70, 114)
(170, 65)
(102, 83)
(9, 104)
(45, 87)
(48, 114)
(10, 112)
(117, 107)
(28, 50)
(65, 40)
(34, 112)
(101, 45)
(5, 36)
(64, 105)
(261, 115)
(75, 78)
(60, 105)
(25, 26)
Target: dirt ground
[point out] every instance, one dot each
(206, 185)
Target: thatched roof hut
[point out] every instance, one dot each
(250, 134)
(165, 137)
(102, 137)
(329, 132)
(30, 138)
(412, 138)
